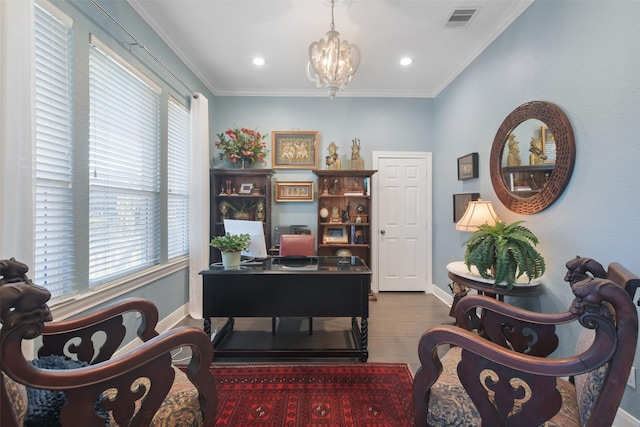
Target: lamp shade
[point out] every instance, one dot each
(478, 212)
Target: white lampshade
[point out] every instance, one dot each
(478, 212)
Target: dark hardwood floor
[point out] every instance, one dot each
(396, 322)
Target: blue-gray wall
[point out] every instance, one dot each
(583, 56)
(380, 124)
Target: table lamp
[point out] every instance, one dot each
(478, 212)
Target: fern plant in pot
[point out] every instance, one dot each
(504, 253)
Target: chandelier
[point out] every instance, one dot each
(332, 62)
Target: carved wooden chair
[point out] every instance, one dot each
(507, 377)
(139, 388)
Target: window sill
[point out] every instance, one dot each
(76, 304)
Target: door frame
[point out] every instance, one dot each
(377, 155)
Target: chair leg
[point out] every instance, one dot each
(310, 325)
(273, 326)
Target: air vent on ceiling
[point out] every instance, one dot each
(461, 17)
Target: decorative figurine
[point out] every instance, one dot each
(357, 162)
(325, 187)
(333, 159)
(335, 214)
(513, 158)
(225, 209)
(345, 214)
(536, 157)
(334, 188)
(260, 211)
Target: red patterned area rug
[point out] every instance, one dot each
(318, 395)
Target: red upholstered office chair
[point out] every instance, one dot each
(297, 244)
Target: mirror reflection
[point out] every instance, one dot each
(532, 157)
(528, 158)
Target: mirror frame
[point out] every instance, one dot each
(560, 127)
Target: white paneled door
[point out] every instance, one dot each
(403, 204)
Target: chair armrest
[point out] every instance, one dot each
(152, 360)
(479, 354)
(109, 320)
(512, 327)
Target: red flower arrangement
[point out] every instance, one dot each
(241, 145)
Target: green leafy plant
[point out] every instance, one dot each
(239, 145)
(231, 242)
(504, 253)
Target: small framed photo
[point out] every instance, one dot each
(468, 166)
(245, 188)
(335, 234)
(294, 191)
(294, 149)
(460, 203)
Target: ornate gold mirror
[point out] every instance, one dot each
(532, 157)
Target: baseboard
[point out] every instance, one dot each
(442, 295)
(165, 324)
(624, 419)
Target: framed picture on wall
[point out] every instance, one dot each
(468, 166)
(294, 191)
(294, 149)
(460, 202)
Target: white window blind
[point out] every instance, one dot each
(179, 132)
(124, 161)
(54, 220)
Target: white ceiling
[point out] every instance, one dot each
(218, 40)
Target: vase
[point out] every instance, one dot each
(231, 260)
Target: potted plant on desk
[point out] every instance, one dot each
(504, 253)
(231, 246)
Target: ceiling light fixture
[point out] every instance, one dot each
(258, 61)
(332, 62)
(406, 61)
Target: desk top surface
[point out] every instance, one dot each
(296, 265)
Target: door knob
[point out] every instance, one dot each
(382, 231)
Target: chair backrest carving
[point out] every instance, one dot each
(511, 388)
(141, 378)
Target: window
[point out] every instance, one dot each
(100, 212)
(124, 168)
(178, 180)
(54, 228)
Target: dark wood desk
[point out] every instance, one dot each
(330, 287)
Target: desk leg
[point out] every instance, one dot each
(361, 333)
(207, 326)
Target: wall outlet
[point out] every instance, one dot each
(631, 382)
